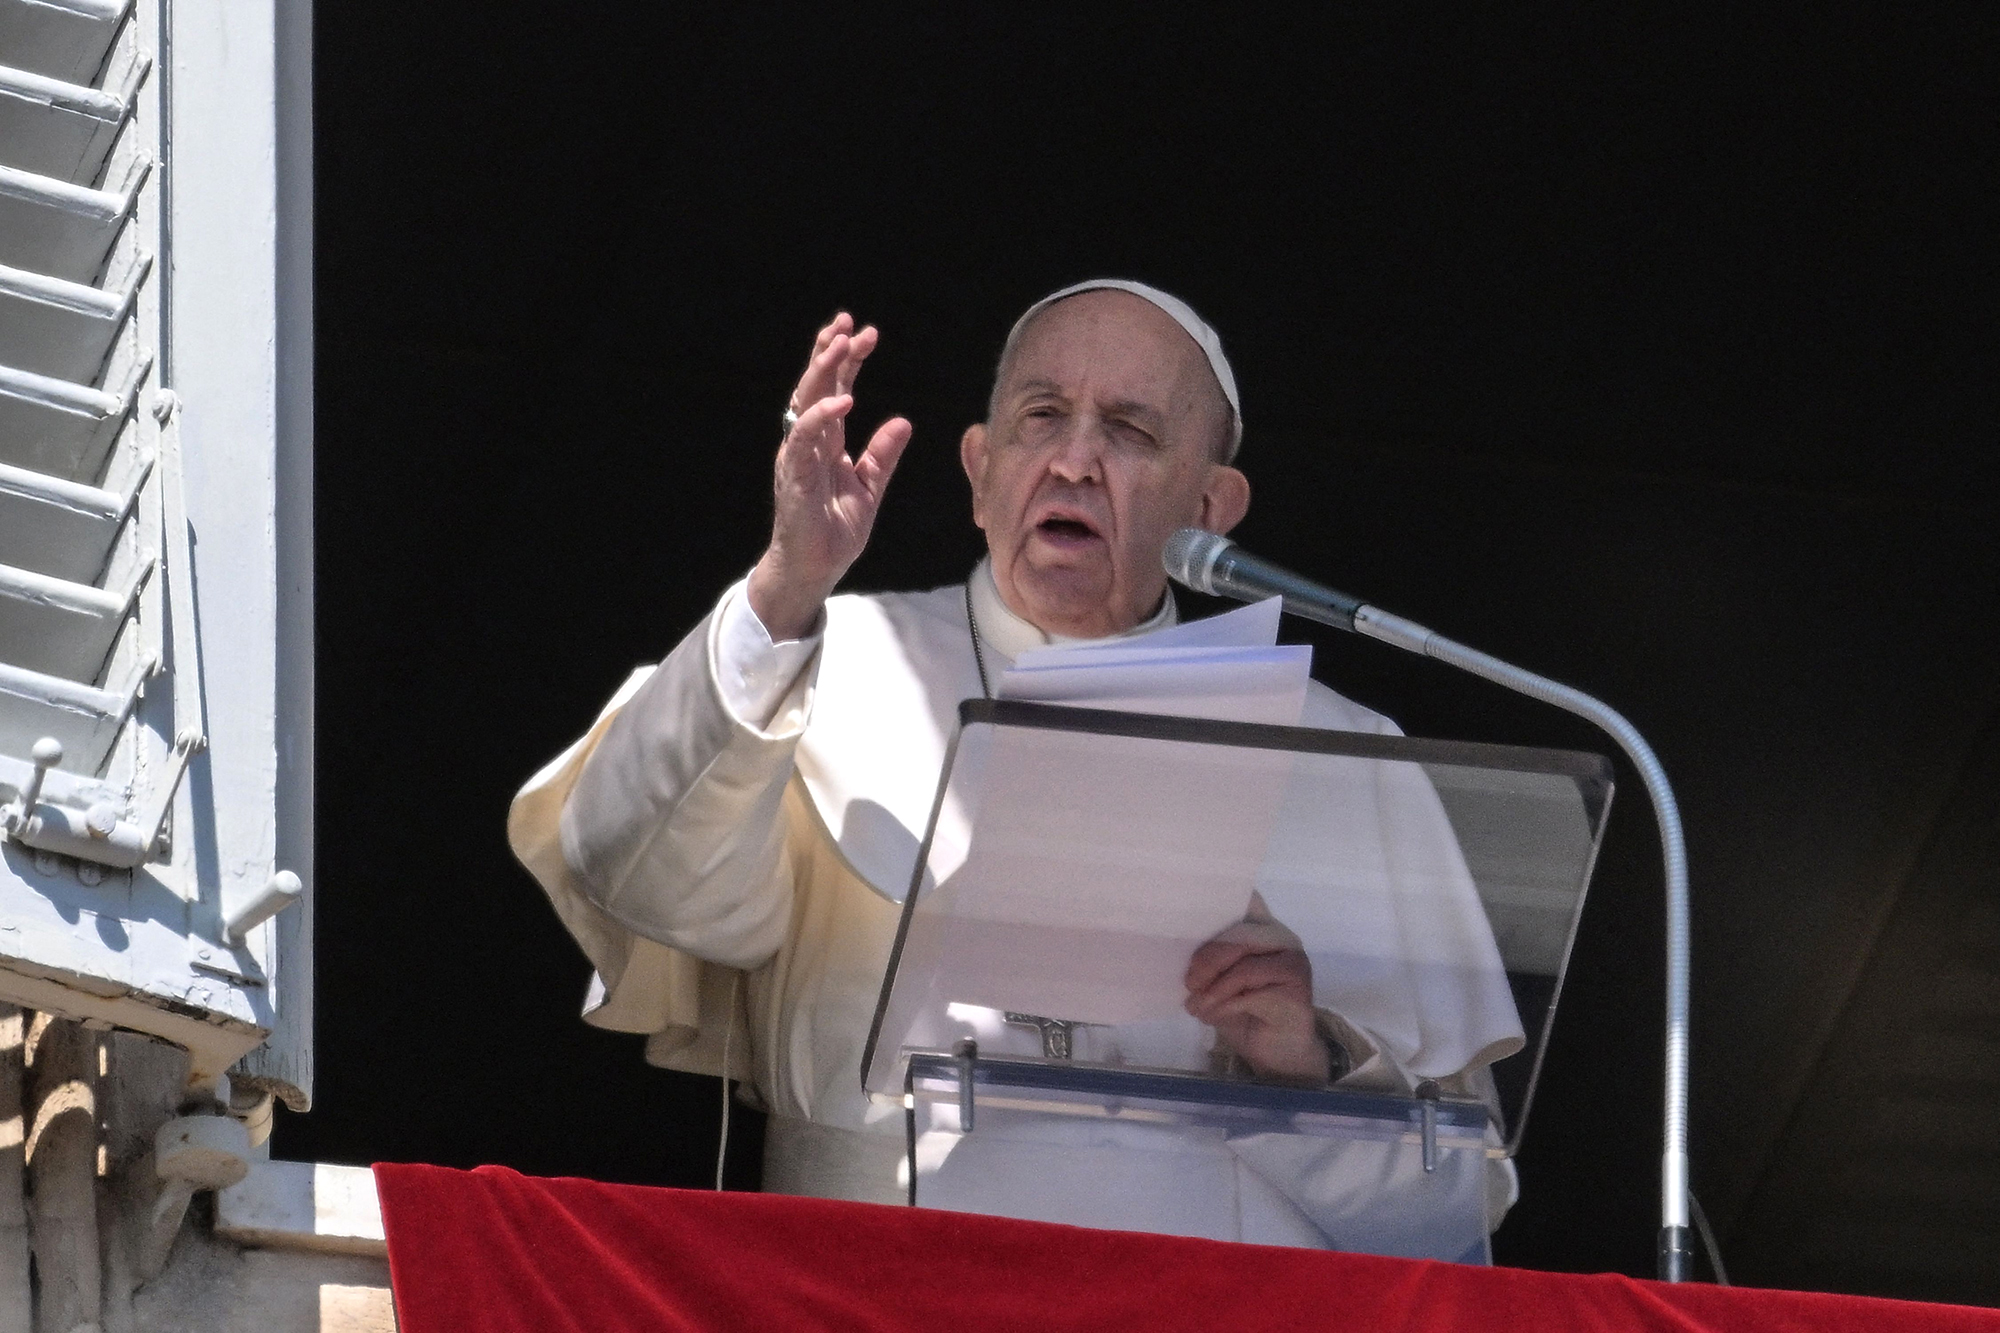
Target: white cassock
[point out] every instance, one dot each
(730, 844)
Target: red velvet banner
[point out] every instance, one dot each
(493, 1251)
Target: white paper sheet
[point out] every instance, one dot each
(1252, 626)
(1095, 866)
(1227, 667)
(1231, 684)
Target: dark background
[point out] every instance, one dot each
(1647, 352)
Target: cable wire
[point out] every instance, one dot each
(728, 1034)
(1708, 1240)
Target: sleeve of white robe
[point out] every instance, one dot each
(659, 836)
(674, 827)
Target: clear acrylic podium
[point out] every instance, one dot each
(1031, 1016)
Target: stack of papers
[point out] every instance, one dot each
(1228, 667)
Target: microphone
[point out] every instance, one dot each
(1217, 566)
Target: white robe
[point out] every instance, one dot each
(730, 851)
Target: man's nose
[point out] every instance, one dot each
(1079, 451)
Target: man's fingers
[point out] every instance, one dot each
(1254, 972)
(815, 424)
(821, 379)
(1245, 937)
(836, 359)
(840, 323)
(1268, 1003)
(878, 461)
(858, 348)
(823, 413)
(824, 372)
(837, 355)
(1211, 960)
(1246, 975)
(1238, 1019)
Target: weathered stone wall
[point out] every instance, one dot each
(215, 1286)
(113, 1213)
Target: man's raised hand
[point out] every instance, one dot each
(825, 500)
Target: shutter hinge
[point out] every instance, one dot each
(98, 836)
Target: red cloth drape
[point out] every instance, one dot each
(493, 1251)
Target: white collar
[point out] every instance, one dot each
(1008, 635)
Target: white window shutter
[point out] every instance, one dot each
(155, 593)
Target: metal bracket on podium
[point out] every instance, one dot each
(1428, 1094)
(965, 1058)
(965, 1053)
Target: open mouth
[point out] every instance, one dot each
(1067, 525)
(1066, 530)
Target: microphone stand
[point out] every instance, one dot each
(1675, 1254)
(1216, 565)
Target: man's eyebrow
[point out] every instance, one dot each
(1131, 407)
(1120, 407)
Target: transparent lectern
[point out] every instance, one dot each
(1032, 1016)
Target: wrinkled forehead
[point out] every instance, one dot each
(1112, 346)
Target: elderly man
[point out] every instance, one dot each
(730, 842)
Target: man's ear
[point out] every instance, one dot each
(972, 456)
(1225, 500)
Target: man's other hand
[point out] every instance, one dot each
(825, 501)
(1253, 985)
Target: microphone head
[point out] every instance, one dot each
(1190, 557)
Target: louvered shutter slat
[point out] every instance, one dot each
(63, 39)
(57, 229)
(57, 129)
(63, 429)
(84, 718)
(59, 528)
(62, 329)
(58, 626)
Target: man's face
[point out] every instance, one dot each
(1102, 441)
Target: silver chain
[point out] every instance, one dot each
(978, 657)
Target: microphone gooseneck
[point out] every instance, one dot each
(1214, 564)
